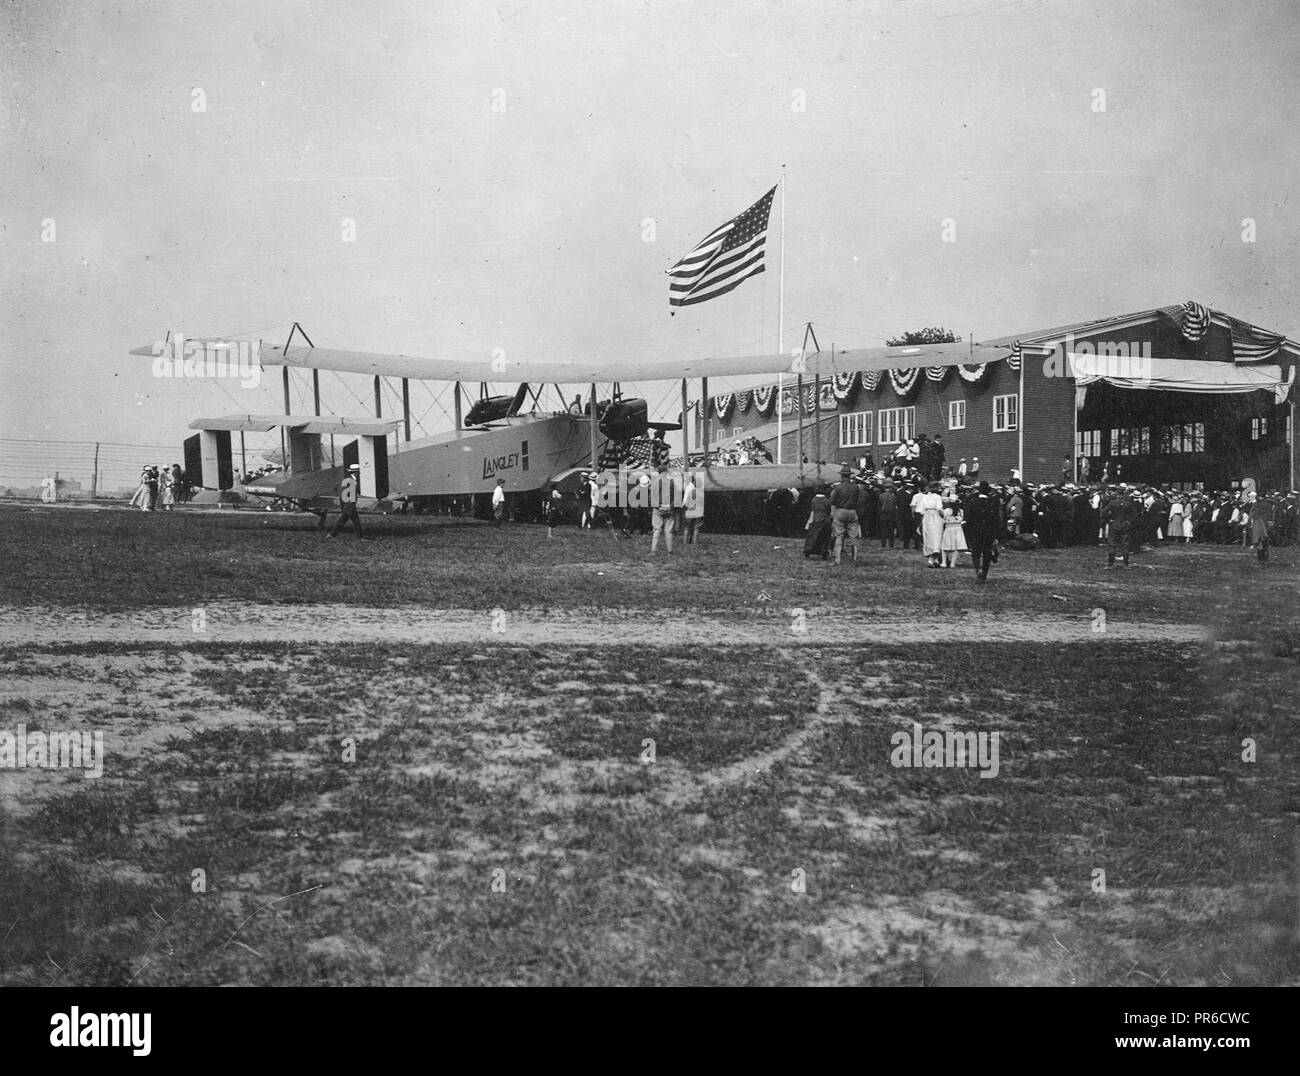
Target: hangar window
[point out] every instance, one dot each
(1259, 428)
(1006, 413)
(738, 431)
(957, 414)
(894, 425)
(1131, 442)
(1186, 437)
(1088, 443)
(855, 429)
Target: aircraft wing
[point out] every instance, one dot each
(584, 371)
(325, 424)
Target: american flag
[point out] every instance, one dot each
(724, 258)
(1250, 343)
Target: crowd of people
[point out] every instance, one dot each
(960, 513)
(161, 488)
(743, 453)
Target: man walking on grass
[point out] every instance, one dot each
(348, 501)
(983, 525)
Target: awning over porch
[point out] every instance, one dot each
(1178, 375)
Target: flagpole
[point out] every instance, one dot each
(780, 322)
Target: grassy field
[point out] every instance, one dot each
(603, 812)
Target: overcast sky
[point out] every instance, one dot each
(481, 227)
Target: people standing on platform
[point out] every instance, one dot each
(938, 457)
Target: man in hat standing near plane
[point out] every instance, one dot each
(348, 491)
(844, 514)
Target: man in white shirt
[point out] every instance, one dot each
(499, 501)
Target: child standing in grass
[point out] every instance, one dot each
(954, 534)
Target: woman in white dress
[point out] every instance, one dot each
(930, 506)
(954, 534)
(1176, 514)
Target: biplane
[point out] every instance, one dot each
(513, 438)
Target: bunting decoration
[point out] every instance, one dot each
(1013, 363)
(843, 385)
(904, 381)
(743, 399)
(936, 373)
(972, 373)
(809, 400)
(764, 397)
(870, 379)
(722, 405)
(1193, 321)
(1250, 344)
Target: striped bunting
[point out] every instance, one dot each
(972, 373)
(1194, 321)
(936, 373)
(722, 405)
(1251, 344)
(843, 385)
(743, 399)
(764, 397)
(724, 258)
(904, 381)
(871, 379)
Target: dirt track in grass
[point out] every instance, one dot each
(243, 622)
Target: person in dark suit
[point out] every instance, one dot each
(1120, 515)
(1260, 511)
(887, 517)
(938, 456)
(869, 513)
(984, 523)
